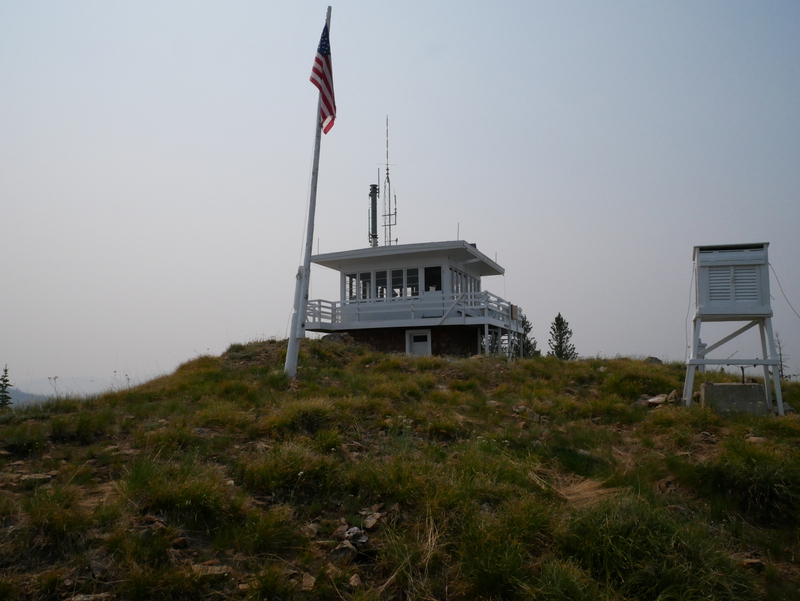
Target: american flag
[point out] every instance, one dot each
(322, 77)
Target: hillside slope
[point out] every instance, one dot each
(376, 476)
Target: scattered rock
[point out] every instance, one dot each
(36, 478)
(204, 571)
(93, 597)
(602, 368)
(655, 360)
(356, 536)
(371, 520)
(342, 337)
(344, 554)
(754, 564)
(657, 400)
(308, 582)
(102, 565)
(674, 397)
(755, 439)
(355, 580)
(341, 532)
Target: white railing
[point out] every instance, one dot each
(434, 307)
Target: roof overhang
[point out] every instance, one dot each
(458, 251)
(723, 247)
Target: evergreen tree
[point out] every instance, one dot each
(528, 342)
(5, 395)
(560, 336)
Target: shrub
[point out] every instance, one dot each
(560, 580)
(301, 416)
(271, 531)
(631, 385)
(290, 471)
(187, 491)
(645, 554)
(24, 439)
(760, 482)
(55, 514)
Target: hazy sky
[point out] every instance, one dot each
(155, 164)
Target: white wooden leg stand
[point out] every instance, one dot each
(770, 362)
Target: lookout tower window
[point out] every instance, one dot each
(364, 285)
(412, 281)
(433, 279)
(351, 286)
(397, 283)
(380, 284)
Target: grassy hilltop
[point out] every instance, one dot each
(376, 476)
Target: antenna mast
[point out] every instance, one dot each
(389, 202)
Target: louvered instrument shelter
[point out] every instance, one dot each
(732, 284)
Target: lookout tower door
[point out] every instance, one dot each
(418, 342)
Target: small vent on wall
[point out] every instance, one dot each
(733, 283)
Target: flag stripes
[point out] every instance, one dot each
(322, 78)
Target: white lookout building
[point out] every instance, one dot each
(420, 299)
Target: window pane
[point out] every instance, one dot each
(365, 285)
(397, 283)
(380, 284)
(433, 278)
(412, 282)
(351, 285)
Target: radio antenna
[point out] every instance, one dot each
(389, 201)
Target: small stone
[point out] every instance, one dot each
(657, 400)
(340, 533)
(344, 554)
(308, 581)
(754, 564)
(36, 478)
(204, 571)
(356, 536)
(355, 580)
(371, 520)
(755, 439)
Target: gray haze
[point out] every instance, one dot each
(155, 158)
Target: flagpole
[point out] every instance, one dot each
(298, 326)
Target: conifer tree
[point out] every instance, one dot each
(5, 395)
(529, 347)
(560, 336)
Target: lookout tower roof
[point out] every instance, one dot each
(457, 252)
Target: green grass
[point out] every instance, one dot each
(473, 479)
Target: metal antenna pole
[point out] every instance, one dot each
(389, 215)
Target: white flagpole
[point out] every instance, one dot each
(298, 327)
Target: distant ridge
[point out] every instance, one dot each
(19, 397)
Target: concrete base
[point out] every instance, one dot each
(735, 398)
